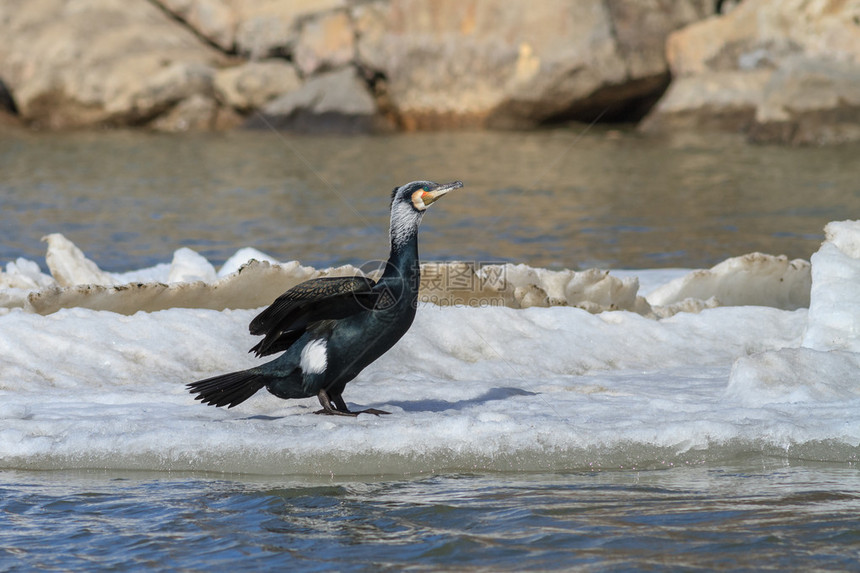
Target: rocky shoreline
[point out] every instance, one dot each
(783, 71)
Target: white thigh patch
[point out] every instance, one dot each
(314, 360)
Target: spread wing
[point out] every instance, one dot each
(328, 298)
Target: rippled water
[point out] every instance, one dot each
(749, 517)
(556, 198)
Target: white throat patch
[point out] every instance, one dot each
(404, 222)
(314, 360)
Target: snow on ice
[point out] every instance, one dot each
(520, 369)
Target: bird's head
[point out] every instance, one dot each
(408, 204)
(421, 194)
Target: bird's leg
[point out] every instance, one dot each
(330, 410)
(339, 404)
(339, 408)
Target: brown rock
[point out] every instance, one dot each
(9, 121)
(70, 64)
(195, 113)
(781, 70)
(325, 42)
(7, 103)
(810, 102)
(337, 101)
(763, 32)
(227, 118)
(253, 84)
(642, 26)
(214, 20)
(515, 63)
(270, 27)
(725, 100)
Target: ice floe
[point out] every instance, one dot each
(508, 367)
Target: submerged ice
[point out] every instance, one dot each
(542, 371)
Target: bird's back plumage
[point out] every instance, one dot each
(292, 313)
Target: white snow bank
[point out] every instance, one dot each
(834, 313)
(753, 279)
(827, 367)
(189, 266)
(256, 285)
(795, 375)
(69, 266)
(24, 274)
(593, 290)
(496, 388)
(241, 258)
(250, 279)
(491, 388)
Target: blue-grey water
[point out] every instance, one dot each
(749, 517)
(554, 199)
(551, 199)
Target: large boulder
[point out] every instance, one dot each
(72, 63)
(334, 102)
(253, 28)
(810, 101)
(268, 28)
(259, 29)
(215, 20)
(175, 64)
(253, 84)
(517, 63)
(325, 42)
(778, 70)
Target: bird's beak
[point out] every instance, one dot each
(430, 196)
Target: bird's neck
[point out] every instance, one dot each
(403, 263)
(403, 259)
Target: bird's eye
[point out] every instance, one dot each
(426, 189)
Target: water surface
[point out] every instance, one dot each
(554, 199)
(752, 516)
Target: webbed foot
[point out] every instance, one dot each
(373, 411)
(339, 408)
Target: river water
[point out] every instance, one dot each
(751, 517)
(549, 199)
(559, 199)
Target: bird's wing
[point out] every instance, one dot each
(327, 298)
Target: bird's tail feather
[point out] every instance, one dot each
(227, 389)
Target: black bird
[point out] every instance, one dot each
(329, 329)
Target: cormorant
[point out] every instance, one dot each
(329, 329)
